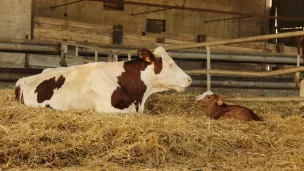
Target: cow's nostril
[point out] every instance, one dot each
(189, 79)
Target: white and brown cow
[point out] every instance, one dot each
(105, 86)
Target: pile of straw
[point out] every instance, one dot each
(173, 134)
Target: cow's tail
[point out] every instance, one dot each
(17, 93)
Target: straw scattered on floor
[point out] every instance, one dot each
(173, 134)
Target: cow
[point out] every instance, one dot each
(108, 87)
(216, 108)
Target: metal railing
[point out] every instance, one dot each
(209, 71)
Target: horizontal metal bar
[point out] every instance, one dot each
(246, 73)
(244, 84)
(230, 41)
(264, 99)
(9, 47)
(86, 46)
(248, 58)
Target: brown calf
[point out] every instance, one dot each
(217, 108)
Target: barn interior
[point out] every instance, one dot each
(34, 34)
(248, 50)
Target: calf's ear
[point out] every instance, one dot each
(220, 100)
(146, 55)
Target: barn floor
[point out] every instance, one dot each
(174, 134)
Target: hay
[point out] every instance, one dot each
(174, 134)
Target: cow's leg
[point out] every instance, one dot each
(106, 107)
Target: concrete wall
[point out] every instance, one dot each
(178, 22)
(12, 60)
(15, 17)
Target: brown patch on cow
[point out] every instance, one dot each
(132, 88)
(17, 93)
(120, 99)
(158, 65)
(45, 90)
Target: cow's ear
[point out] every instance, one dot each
(146, 55)
(220, 100)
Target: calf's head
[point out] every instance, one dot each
(166, 74)
(209, 98)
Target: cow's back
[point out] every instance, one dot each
(63, 88)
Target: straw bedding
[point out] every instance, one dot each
(173, 134)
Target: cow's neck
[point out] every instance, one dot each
(136, 81)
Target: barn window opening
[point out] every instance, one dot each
(114, 5)
(155, 26)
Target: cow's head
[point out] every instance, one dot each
(209, 98)
(166, 74)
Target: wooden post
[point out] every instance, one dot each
(96, 55)
(208, 68)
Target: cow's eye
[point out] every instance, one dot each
(208, 97)
(171, 65)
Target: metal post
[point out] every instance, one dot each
(96, 55)
(302, 92)
(110, 56)
(298, 60)
(115, 57)
(129, 56)
(76, 51)
(64, 51)
(65, 48)
(208, 68)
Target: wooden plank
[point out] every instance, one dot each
(286, 49)
(107, 32)
(71, 23)
(71, 36)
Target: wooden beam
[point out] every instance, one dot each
(199, 9)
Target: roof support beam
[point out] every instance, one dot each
(198, 9)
